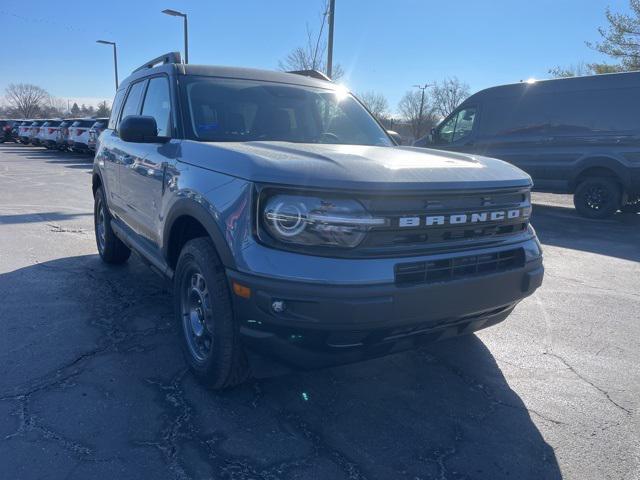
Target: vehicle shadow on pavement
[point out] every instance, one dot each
(618, 236)
(56, 156)
(39, 217)
(93, 385)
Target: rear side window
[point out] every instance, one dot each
(569, 113)
(115, 109)
(157, 104)
(132, 103)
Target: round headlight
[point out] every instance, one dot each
(316, 221)
(287, 218)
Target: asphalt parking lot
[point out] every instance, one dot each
(93, 385)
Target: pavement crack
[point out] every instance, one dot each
(58, 229)
(321, 447)
(489, 395)
(45, 382)
(28, 422)
(441, 456)
(179, 425)
(589, 382)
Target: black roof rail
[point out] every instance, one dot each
(311, 73)
(171, 57)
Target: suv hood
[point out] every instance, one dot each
(351, 166)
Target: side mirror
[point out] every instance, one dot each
(395, 136)
(140, 129)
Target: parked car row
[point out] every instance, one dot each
(72, 134)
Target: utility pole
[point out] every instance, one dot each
(332, 11)
(422, 88)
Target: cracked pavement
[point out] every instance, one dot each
(93, 385)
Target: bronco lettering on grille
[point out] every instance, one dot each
(461, 218)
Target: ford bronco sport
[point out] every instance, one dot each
(289, 222)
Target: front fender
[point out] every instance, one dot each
(221, 204)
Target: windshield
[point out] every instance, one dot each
(221, 110)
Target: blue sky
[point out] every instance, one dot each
(383, 45)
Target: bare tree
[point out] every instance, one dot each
(574, 70)
(53, 107)
(376, 103)
(581, 69)
(621, 38)
(312, 56)
(417, 110)
(448, 94)
(26, 99)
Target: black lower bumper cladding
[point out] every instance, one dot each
(315, 325)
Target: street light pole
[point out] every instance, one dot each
(115, 63)
(332, 12)
(115, 57)
(175, 13)
(186, 40)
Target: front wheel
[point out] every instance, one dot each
(597, 198)
(204, 317)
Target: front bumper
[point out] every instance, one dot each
(324, 323)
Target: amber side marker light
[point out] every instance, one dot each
(241, 290)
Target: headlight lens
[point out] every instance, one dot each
(317, 221)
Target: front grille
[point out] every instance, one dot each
(396, 238)
(434, 271)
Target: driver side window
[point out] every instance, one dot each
(458, 126)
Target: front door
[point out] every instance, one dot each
(142, 179)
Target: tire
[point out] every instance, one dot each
(204, 317)
(597, 198)
(111, 249)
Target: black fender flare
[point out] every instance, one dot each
(191, 208)
(96, 175)
(607, 162)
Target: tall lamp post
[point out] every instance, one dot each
(332, 14)
(175, 13)
(115, 57)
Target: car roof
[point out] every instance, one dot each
(557, 85)
(231, 73)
